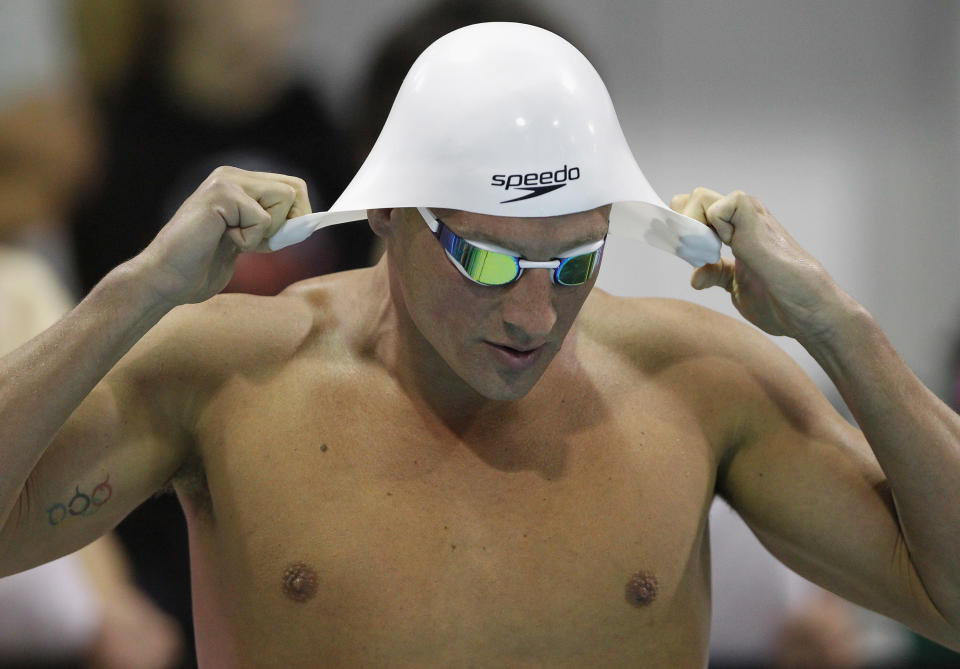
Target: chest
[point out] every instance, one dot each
(585, 526)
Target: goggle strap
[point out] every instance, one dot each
(429, 219)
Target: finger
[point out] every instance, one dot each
(283, 199)
(260, 184)
(716, 274)
(281, 196)
(278, 199)
(245, 219)
(679, 201)
(734, 211)
(301, 205)
(696, 205)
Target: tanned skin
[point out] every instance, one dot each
(397, 467)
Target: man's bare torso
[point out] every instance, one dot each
(336, 521)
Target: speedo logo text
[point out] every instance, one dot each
(536, 183)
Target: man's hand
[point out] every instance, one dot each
(773, 282)
(233, 211)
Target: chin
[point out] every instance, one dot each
(494, 382)
(495, 387)
(504, 394)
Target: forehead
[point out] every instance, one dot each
(546, 235)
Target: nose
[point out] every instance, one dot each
(528, 311)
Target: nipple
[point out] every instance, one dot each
(299, 582)
(642, 589)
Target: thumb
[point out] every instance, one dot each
(716, 274)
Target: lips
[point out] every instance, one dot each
(515, 349)
(514, 358)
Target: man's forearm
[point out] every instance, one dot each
(43, 381)
(916, 438)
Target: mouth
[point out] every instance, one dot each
(515, 358)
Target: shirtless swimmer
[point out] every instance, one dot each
(443, 461)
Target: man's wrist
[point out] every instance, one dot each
(844, 322)
(144, 286)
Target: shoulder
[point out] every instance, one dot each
(718, 363)
(232, 331)
(195, 347)
(658, 331)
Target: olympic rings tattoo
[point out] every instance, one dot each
(81, 504)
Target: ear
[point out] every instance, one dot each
(383, 222)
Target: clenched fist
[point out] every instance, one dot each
(773, 282)
(233, 211)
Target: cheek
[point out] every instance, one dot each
(443, 305)
(568, 305)
(455, 309)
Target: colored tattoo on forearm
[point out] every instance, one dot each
(81, 503)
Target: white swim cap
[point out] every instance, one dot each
(507, 119)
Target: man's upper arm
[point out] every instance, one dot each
(122, 444)
(809, 486)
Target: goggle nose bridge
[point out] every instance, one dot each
(522, 264)
(535, 264)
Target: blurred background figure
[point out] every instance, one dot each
(82, 610)
(178, 88)
(182, 86)
(47, 150)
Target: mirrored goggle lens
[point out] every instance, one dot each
(578, 269)
(487, 267)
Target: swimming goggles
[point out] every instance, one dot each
(491, 265)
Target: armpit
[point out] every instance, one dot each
(190, 482)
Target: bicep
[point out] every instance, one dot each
(115, 450)
(808, 485)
